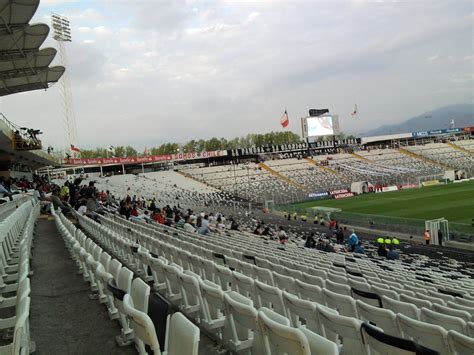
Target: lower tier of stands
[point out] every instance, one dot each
(271, 300)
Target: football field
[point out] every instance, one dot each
(455, 202)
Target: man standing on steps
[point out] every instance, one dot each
(427, 237)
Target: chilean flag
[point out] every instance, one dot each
(284, 121)
(74, 148)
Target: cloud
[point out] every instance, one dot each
(177, 70)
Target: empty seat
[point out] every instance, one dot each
(280, 338)
(461, 307)
(300, 312)
(417, 301)
(284, 283)
(345, 305)
(244, 285)
(382, 318)
(446, 321)
(466, 316)
(182, 336)
(429, 335)
(367, 297)
(241, 329)
(460, 344)
(192, 301)
(347, 328)
(381, 343)
(270, 297)
(338, 288)
(408, 309)
(309, 292)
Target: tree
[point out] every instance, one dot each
(119, 151)
(130, 151)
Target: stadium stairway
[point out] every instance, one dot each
(311, 161)
(280, 176)
(461, 149)
(63, 318)
(422, 158)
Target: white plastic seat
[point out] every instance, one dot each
(429, 335)
(264, 275)
(21, 333)
(417, 301)
(461, 307)
(270, 297)
(192, 301)
(284, 283)
(431, 299)
(244, 285)
(460, 344)
(385, 292)
(182, 336)
(338, 288)
(314, 280)
(381, 343)
(159, 280)
(381, 318)
(300, 312)
(406, 308)
(345, 305)
(446, 321)
(281, 339)
(466, 316)
(173, 288)
(223, 276)
(348, 328)
(309, 292)
(213, 312)
(241, 331)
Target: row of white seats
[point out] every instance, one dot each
(173, 289)
(16, 237)
(107, 276)
(405, 282)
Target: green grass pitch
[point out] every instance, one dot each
(455, 202)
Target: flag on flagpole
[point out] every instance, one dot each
(284, 121)
(74, 148)
(354, 113)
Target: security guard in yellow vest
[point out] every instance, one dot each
(304, 218)
(380, 240)
(315, 219)
(395, 241)
(388, 241)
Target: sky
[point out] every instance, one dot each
(148, 72)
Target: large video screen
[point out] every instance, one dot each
(321, 126)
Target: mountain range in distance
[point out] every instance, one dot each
(462, 114)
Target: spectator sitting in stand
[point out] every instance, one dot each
(353, 241)
(282, 236)
(392, 254)
(382, 251)
(359, 248)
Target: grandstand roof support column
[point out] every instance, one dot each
(143, 169)
(101, 172)
(123, 169)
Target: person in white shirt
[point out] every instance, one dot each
(82, 210)
(188, 226)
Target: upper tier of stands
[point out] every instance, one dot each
(291, 179)
(447, 154)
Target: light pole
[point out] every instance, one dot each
(62, 34)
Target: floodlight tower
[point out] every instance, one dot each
(62, 34)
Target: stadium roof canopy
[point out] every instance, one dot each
(23, 66)
(17, 12)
